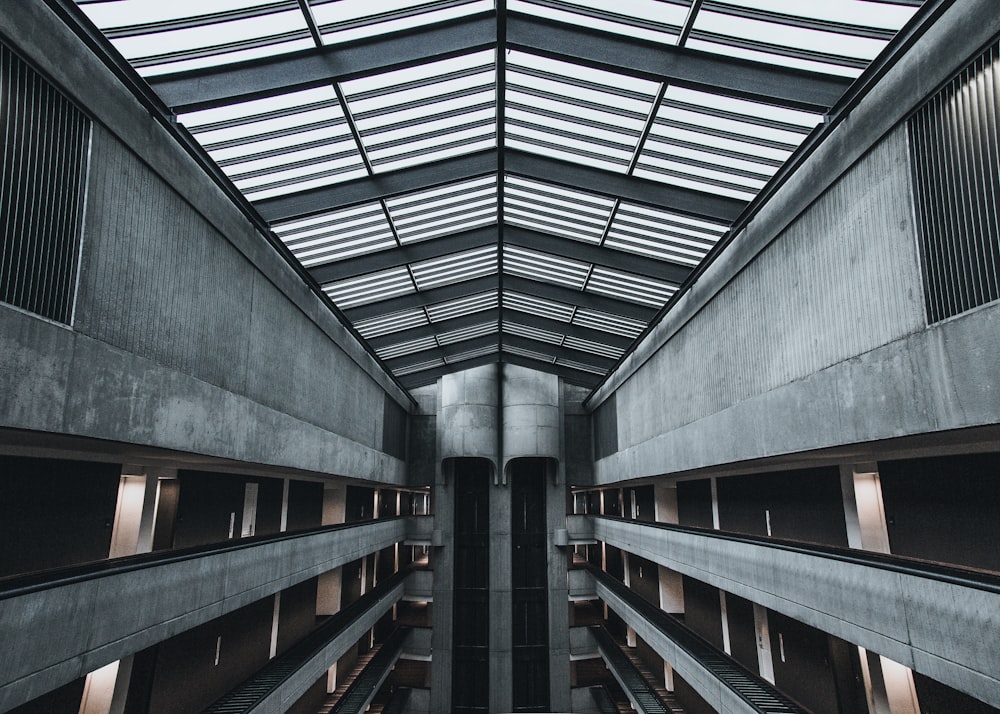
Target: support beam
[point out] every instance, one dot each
(591, 253)
(372, 188)
(558, 351)
(630, 188)
(520, 163)
(446, 351)
(254, 79)
(404, 255)
(522, 318)
(800, 89)
(452, 291)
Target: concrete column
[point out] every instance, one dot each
(671, 591)
(329, 584)
(715, 505)
(888, 684)
(765, 664)
(665, 496)
(724, 616)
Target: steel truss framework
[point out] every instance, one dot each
(528, 181)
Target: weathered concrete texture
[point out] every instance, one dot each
(57, 381)
(164, 177)
(961, 30)
(467, 415)
(80, 626)
(941, 629)
(944, 377)
(578, 450)
(531, 415)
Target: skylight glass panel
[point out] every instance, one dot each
(159, 37)
(467, 333)
(834, 38)
(455, 268)
(553, 209)
(446, 209)
(462, 306)
(720, 144)
(335, 235)
(279, 144)
(538, 306)
(544, 267)
(582, 366)
(645, 19)
(591, 347)
(662, 234)
(406, 348)
(346, 20)
(617, 324)
(629, 287)
(530, 354)
(387, 324)
(471, 354)
(370, 288)
(427, 112)
(533, 333)
(418, 367)
(575, 113)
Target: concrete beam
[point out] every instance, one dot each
(85, 622)
(937, 626)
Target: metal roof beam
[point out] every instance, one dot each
(372, 188)
(576, 376)
(558, 351)
(812, 91)
(521, 163)
(429, 376)
(254, 79)
(456, 348)
(404, 255)
(591, 253)
(569, 296)
(435, 328)
(452, 291)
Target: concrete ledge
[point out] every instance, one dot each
(70, 630)
(941, 629)
(58, 381)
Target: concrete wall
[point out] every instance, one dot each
(809, 332)
(92, 622)
(940, 628)
(190, 331)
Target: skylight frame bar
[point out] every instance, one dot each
(598, 363)
(609, 16)
(590, 346)
(454, 268)
(464, 306)
(387, 109)
(274, 134)
(253, 43)
(363, 231)
(370, 289)
(584, 121)
(698, 163)
(263, 116)
(710, 149)
(439, 328)
(301, 163)
(720, 134)
(406, 362)
(284, 183)
(435, 149)
(454, 190)
(777, 50)
(434, 134)
(281, 151)
(432, 231)
(624, 325)
(556, 213)
(566, 134)
(188, 22)
(667, 222)
(613, 340)
(635, 288)
(514, 217)
(422, 81)
(535, 265)
(579, 82)
(574, 151)
(801, 21)
(394, 323)
(437, 210)
(366, 21)
(736, 116)
(533, 333)
(447, 114)
(467, 355)
(337, 248)
(697, 179)
(577, 102)
(673, 240)
(595, 205)
(329, 220)
(401, 349)
(479, 329)
(449, 217)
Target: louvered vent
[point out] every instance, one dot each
(41, 191)
(956, 159)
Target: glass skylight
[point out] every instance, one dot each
(573, 112)
(408, 248)
(445, 210)
(427, 112)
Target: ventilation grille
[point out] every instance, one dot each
(41, 191)
(954, 140)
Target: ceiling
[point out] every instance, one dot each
(528, 182)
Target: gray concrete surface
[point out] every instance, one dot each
(941, 629)
(75, 628)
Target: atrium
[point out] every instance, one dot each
(500, 356)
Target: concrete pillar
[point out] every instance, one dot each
(665, 496)
(715, 505)
(671, 591)
(888, 684)
(765, 664)
(724, 616)
(329, 584)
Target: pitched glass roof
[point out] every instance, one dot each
(472, 181)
